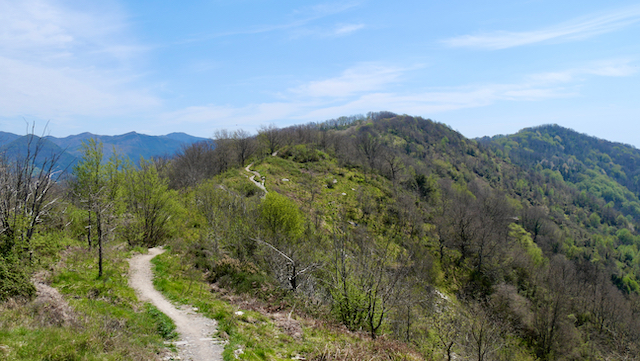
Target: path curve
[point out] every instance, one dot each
(196, 340)
(252, 178)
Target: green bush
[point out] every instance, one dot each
(302, 153)
(14, 282)
(242, 276)
(280, 215)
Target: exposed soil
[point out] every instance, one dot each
(196, 331)
(278, 313)
(253, 178)
(50, 307)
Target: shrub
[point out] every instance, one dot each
(14, 282)
(229, 272)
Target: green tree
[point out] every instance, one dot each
(281, 216)
(96, 186)
(284, 225)
(151, 203)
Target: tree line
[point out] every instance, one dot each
(438, 241)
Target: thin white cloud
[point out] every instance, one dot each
(612, 68)
(368, 87)
(44, 92)
(58, 61)
(303, 17)
(361, 78)
(579, 28)
(347, 29)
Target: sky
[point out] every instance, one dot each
(156, 67)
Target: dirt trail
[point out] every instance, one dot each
(252, 178)
(196, 340)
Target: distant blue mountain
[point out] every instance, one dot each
(130, 145)
(6, 138)
(46, 151)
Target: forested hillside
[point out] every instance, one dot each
(382, 237)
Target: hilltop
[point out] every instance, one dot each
(378, 237)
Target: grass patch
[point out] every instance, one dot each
(165, 326)
(102, 321)
(254, 335)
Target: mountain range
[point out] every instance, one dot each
(130, 145)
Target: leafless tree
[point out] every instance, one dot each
(244, 145)
(552, 327)
(369, 145)
(368, 278)
(393, 164)
(271, 137)
(484, 336)
(193, 164)
(26, 184)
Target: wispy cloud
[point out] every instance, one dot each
(368, 87)
(45, 92)
(611, 67)
(59, 61)
(347, 29)
(579, 28)
(358, 79)
(301, 18)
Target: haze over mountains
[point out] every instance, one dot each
(131, 145)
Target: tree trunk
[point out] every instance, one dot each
(99, 226)
(89, 230)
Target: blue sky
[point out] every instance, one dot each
(157, 67)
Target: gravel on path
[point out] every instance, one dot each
(196, 331)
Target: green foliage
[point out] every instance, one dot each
(14, 281)
(630, 284)
(524, 240)
(165, 326)
(231, 273)
(152, 204)
(89, 172)
(349, 303)
(625, 236)
(281, 216)
(302, 153)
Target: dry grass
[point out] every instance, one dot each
(341, 345)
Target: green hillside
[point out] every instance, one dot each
(385, 237)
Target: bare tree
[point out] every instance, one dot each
(484, 336)
(367, 279)
(369, 145)
(552, 327)
(193, 164)
(393, 164)
(244, 145)
(271, 137)
(26, 185)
